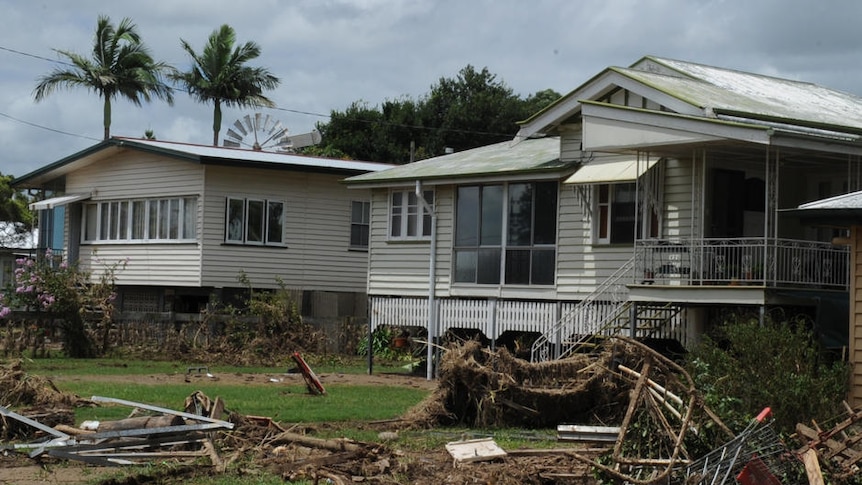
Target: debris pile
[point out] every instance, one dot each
(483, 388)
(38, 397)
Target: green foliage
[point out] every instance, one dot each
(55, 291)
(743, 367)
(219, 74)
(120, 65)
(17, 219)
(471, 110)
(381, 344)
(266, 323)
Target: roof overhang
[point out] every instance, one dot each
(59, 201)
(619, 128)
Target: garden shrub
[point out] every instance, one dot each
(743, 366)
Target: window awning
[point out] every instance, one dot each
(620, 170)
(58, 201)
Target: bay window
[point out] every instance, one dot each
(168, 219)
(506, 233)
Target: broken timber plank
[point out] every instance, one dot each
(812, 467)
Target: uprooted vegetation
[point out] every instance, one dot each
(664, 421)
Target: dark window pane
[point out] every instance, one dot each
(174, 216)
(492, 215)
(467, 217)
(255, 221)
(518, 267)
(545, 227)
(275, 222)
(623, 214)
(520, 214)
(488, 271)
(543, 263)
(235, 218)
(359, 236)
(465, 266)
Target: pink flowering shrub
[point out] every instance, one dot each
(54, 290)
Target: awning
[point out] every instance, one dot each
(58, 201)
(620, 170)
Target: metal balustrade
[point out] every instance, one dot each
(742, 261)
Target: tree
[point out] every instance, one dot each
(16, 219)
(120, 66)
(471, 110)
(219, 75)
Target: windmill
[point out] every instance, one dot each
(264, 133)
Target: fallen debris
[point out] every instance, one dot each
(311, 381)
(471, 451)
(839, 448)
(125, 442)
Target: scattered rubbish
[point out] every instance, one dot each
(840, 448)
(753, 457)
(582, 433)
(124, 442)
(469, 451)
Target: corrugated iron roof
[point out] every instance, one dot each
(243, 155)
(761, 97)
(529, 156)
(203, 154)
(716, 92)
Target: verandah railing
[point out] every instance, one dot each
(742, 261)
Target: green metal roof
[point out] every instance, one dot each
(530, 156)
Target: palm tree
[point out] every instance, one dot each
(120, 66)
(219, 74)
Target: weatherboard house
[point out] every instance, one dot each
(189, 220)
(646, 202)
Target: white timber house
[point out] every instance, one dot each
(188, 220)
(646, 201)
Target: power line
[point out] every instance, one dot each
(288, 110)
(42, 127)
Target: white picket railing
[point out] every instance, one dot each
(491, 317)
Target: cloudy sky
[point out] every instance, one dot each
(329, 53)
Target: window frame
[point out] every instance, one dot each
(605, 214)
(498, 238)
(237, 231)
(411, 216)
(364, 222)
(120, 221)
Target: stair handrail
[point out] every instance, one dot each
(605, 288)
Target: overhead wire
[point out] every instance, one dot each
(277, 108)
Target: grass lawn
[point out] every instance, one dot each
(280, 401)
(287, 403)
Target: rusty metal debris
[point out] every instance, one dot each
(181, 435)
(840, 448)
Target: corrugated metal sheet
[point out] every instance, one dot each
(753, 95)
(241, 155)
(529, 156)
